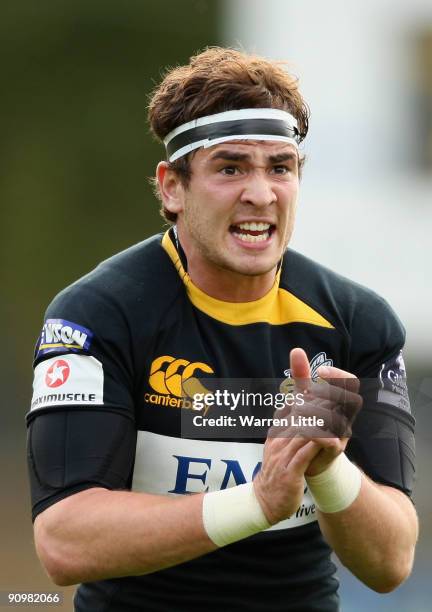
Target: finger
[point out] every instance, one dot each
(333, 404)
(279, 452)
(283, 438)
(299, 364)
(330, 424)
(339, 378)
(303, 457)
(320, 420)
(327, 390)
(315, 418)
(284, 412)
(300, 368)
(288, 451)
(331, 445)
(347, 402)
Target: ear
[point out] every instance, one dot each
(170, 188)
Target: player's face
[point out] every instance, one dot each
(238, 211)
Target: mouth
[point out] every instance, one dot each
(252, 231)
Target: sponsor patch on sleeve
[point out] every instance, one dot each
(393, 383)
(59, 335)
(69, 380)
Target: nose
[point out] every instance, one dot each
(258, 190)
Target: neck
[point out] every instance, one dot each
(223, 284)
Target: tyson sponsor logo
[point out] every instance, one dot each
(60, 334)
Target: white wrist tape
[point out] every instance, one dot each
(233, 514)
(337, 487)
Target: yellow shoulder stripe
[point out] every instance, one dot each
(277, 307)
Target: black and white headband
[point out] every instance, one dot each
(241, 124)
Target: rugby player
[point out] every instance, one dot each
(146, 519)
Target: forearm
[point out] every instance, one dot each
(98, 534)
(375, 536)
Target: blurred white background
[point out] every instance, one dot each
(365, 208)
(365, 69)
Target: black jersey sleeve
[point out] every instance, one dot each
(383, 442)
(83, 354)
(81, 422)
(76, 449)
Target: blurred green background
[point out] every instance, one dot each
(75, 157)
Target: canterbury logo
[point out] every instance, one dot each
(175, 376)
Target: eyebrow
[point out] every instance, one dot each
(225, 154)
(275, 159)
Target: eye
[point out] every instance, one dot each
(230, 170)
(281, 169)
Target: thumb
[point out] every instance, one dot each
(299, 364)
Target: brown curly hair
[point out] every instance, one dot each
(216, 80)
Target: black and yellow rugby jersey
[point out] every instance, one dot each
(106, 410)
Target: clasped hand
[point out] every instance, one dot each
(320, 427)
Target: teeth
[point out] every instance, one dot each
(255, 227)
(250, 238)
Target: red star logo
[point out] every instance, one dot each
(57, 374)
